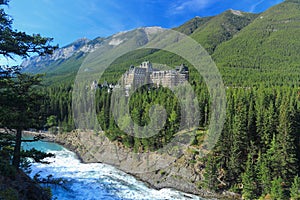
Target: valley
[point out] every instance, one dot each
(229, 130)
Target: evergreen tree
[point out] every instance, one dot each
(286, 154)
(21, 108)
(239, 144)
(263, 174)
(18, 99)
(211, 173)
(277, 191)
(269, 126)
(249, 179)
(295, 189)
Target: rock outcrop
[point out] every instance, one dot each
(159, 170)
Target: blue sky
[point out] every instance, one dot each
(68, 20)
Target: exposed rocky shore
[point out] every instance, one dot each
(158, 170)
(45, 135)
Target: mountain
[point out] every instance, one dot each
(270, 42)
(243, 45)
(36, 64)
(190, 26)
(221, 28)
(68, 59)
(64, 62)
(208, 31)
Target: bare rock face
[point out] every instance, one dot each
(178, 173)
(82, 45)
(79, 49)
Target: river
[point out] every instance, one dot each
(93, 181)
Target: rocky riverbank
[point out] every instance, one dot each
(45, 135)
(158, 170)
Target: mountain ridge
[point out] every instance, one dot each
(38, 63)
(270, 40)
(235, 40)
(82, 46)
(221, 28)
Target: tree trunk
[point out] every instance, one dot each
(17, 150)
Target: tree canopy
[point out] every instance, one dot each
(21, 100)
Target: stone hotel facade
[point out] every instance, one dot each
(146, 74)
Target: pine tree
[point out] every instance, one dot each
(263, 174)
(249, 179)
(239, 145)
(286, 140)
(273, 158)
(211, 173)
(277, 191)
(295, 189)
(269, 126)
(17, 97)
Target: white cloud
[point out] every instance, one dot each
(253, 7)
(194, 5)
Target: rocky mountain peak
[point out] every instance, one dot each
(81, 45)
(236, 12)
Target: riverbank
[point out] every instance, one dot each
(157, 170)
(45, 135)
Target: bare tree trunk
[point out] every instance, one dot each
(17, 150)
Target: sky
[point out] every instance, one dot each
(69, 20)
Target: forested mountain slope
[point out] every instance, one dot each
(190, 26)
(221, 28)
(271, 41)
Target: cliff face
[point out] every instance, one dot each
(79, 48)
(176, 173)
(68, 59)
